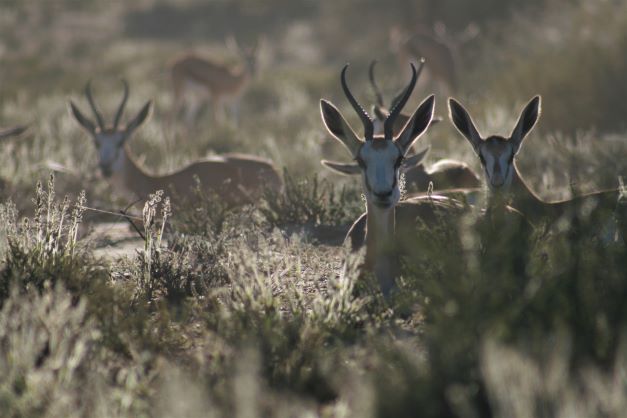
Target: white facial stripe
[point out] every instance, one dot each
(110, 150)
(380, 174)
(498, 163)
(489, 163)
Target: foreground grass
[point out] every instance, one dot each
(254, 322)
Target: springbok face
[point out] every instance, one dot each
(110, 140)
(379, 157)
(496, 152)
(248, 54)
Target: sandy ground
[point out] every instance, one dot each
(115, 239)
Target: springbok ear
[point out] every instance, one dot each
(416, 159)
(339, 128)
(14, 131)
(86, 123)
(343, 168)
(417, 124)
(140, 118)
(526, 121)
(463, 122)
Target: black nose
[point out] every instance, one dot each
(383, 195)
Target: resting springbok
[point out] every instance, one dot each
(220, 82)
(390, 225)
(235, 178)
(444, 175)
(506, 184)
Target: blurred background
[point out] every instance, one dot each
(493, 55)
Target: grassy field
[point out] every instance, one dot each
(260, 311)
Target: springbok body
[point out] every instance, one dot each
(234, 178)
(220, 82)
(391, 228)
(505, 182)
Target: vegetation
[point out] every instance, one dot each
(260, 310)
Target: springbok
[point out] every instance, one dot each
(220, 82)
(444, 174)
(235, 178)
(390, 226)
(5, 134)
(505, 182)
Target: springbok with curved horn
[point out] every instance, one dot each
(390, 225)
(505, 182)
(444, 174)
(220, 82)
(235, 178)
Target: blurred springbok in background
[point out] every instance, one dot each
(389, 226)
(220, 82)
(234, 178)
(439, 49)
(507, 186)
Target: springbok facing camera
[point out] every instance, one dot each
(390, 225)
(220, 82)
(505, 182)
(235, 178)
(444, 174)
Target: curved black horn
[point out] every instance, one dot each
(118, 114)
(399, 95)
(373, 83)
(94, 109)
(388, 125)
(363, 115)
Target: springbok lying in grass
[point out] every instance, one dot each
(444, 174)
(235, 178)
(391, 226)
(506, 184)
(220, 82)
